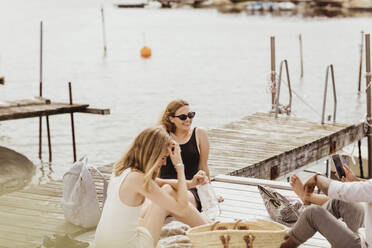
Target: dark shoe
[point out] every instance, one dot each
(67, 242)
(288, 243)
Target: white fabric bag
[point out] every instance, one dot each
(79, 201)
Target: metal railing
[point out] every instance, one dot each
(330, 67)
(286, 108)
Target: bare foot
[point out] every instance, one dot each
(298, 188)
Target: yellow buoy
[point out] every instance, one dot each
(146, 52)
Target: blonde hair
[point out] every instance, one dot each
(169, 111)
(145, 153)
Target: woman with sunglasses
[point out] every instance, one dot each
(133, 180)
(177, 119)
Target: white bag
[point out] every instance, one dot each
(79, 201)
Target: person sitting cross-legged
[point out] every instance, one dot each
(342, 200)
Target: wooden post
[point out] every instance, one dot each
(368, 88)
(301, 58)
(273, 79)
(360, 64)
(360, 158)
(41, 88)
(103, 31)
(72, 123)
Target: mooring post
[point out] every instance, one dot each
(41, 87)
(368, 88)
(301, 58)
(72, 123)
(103, 31)
(273, 78)
(49, 141)
(360, 63)
(360, 158)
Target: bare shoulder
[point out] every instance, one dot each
(135, 178)
(201, 132)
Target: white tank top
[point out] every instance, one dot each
(119, 222)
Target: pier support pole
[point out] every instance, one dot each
(301, 58)
(41, 95)
(72, 123)
(368, 88)
(273, 78)
(103, 31)
(41, 88)
(360, 63)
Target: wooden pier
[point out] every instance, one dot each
(261, 146)
(26, 216)
(257, 146)
(12, 110)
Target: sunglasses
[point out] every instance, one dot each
(183, 117)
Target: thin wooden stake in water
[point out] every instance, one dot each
(273, 79)
(103, 31)
(41, 88)
(360, 158)
(368, 88)
(301, 58)
(72, 123)
(49, 140)
(360, 64)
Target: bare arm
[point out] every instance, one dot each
(359, 191)
(173, 183)
(203, 142)
(177, 205)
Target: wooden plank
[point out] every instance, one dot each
(96, 111)
(252, 181)
(305, 154)
(251, 147)
(24, 102)
(21, 112)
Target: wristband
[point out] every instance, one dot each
(179, 165)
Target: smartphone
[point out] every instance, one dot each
(339, 166)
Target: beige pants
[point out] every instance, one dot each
(324, 219)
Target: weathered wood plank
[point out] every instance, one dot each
(264, 147)
(96, 111)
(21, 112)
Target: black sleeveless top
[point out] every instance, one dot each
(190, 157)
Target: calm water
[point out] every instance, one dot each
(219, 63)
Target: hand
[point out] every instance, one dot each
(310, 185)
(199, 178)
(175, 153)
(350, 176)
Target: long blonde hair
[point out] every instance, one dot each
(169, 111)
(145, 153)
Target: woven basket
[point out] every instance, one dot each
(242, 234)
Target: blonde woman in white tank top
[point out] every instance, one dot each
(133, 180)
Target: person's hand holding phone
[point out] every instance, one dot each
(350, 176)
